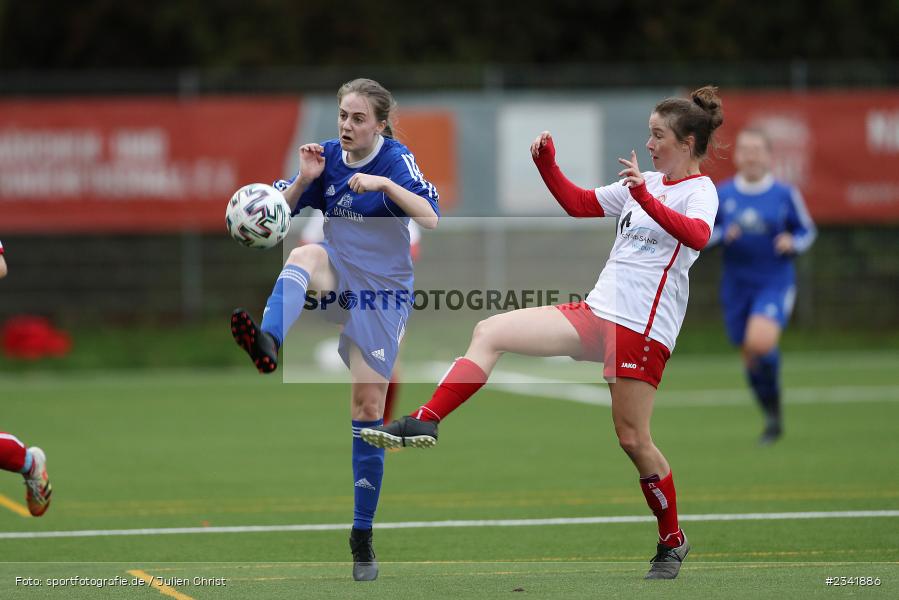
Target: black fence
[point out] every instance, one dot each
(850, 278)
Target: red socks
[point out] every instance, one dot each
(458, 385)
(12, 453)
(662, 500)
(390, 400)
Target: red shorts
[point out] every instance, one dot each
(623, 352)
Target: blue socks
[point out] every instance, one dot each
(764, 378)
(286, 302)
(368, 471)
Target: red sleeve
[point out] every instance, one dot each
(576, 201)
(691, 232)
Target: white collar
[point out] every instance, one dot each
(754, 188)
(364, 161)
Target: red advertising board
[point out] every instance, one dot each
(164, 165)
(840, 148)
(430, 133)
(135, 165)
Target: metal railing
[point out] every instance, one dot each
(795, 75)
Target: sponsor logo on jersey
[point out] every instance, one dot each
(351, 215)
(627, 365)
(642, 239)
(342, 209)
(750, 221)
(330, 191)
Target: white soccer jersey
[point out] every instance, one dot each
(644, 285)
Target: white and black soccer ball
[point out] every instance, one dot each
(258, 216)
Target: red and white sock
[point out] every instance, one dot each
(12, 453)
(459, 384)
(662, 500)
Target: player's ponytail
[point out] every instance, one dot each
(707, 99)
(698, 117)
(380, 99)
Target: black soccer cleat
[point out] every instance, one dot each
(365, 566)
(667, 561)
(261, 346)
(407, 431)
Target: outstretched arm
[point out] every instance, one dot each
(576, 201)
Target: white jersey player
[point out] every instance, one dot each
(644, 285)
(630, 320)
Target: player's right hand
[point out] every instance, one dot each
(733, 232)
(543, 147)
(312, 163)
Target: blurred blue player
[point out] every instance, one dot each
(763, 224)
(368, 186)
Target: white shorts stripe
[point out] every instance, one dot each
(9, 436)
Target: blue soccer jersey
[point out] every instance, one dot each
(368, 231)
(762, 211)
(368, 243)
(756, 279)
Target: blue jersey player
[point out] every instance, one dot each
(368, 186)
(762, 224)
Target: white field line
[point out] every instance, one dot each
(783, 516)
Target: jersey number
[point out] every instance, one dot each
(625, 222)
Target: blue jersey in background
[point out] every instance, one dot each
(762, 210)
(757, 280)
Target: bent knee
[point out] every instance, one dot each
(308, 257)
(367, 404)
(754, 348)
(632, 441)
(485, 331)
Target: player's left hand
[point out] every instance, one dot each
(783, 243)
(361, 182)
(631, 173)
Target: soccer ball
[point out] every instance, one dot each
(258, 216)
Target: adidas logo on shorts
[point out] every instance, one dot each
(379, 354)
